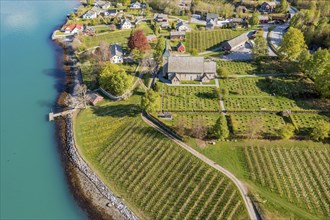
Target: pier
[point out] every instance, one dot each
(52, 116)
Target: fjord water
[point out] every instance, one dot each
(33, 184)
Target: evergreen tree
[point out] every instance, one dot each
(220, 129)
(260, 48)
(150, 102)
(159, 49)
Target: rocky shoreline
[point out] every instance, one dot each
(95, 198)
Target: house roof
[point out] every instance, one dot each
(177, 33)
(182, 24)
(124, 21)
(161, 16)
(211, 16)
(71, 27)
(151, 37)
(116, 50)
(238, 40)
(190, 64)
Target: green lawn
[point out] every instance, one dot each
(206, 40)
(189, 99)
(155, 177)
(120, 37)
(288, 178)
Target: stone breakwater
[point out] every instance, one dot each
(83, 167)
(74, 156)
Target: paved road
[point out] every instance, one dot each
(242, 189)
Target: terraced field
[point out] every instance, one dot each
(189, 99)
(300, 175)
(206, 40)
(308, 121)
(156, 178)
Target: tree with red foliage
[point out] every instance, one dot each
(138, 40)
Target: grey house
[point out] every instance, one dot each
(190, 68)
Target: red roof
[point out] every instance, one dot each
(71, 27)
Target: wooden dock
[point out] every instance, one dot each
(52, 116)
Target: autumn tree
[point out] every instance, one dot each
(292, 45)
(114, 79)
(138, 40)
(260, 48)
(220, 128)
(159, 49)
(150, 102)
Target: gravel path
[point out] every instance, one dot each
(242, 189)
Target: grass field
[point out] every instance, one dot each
(289, 179)
(189, 99)
(112, 37)
(155, 177)
(205, 40)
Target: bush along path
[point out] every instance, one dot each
(253, 214)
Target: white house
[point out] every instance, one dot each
(136, 5)
(125, 24)
(110, 13)
(116, 54)
(183, 27)
(72, 29)
(103, 4)
(93, 13)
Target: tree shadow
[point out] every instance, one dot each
(117, 111)
(207, 95)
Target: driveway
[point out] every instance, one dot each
(243, 53)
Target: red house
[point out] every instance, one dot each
(181, 48)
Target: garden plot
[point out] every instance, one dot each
(206, 40)
(190, 119)
(112, 37)
(189, 99)
(242, 124)
(274, 104)
(236, 67)
(308, 121)
(245, 86)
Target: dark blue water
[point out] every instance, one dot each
(33, 185)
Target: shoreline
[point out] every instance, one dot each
(93, 196)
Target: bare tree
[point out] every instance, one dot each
(180, 125)
(104, 51)
(76, 43)
(199, 130)
(254, 127)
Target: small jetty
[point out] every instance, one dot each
(52, 116)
